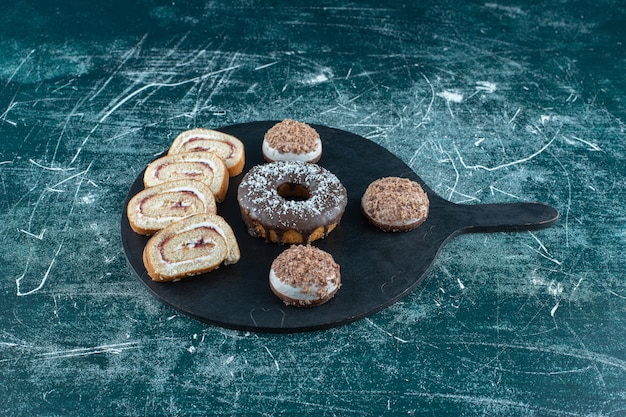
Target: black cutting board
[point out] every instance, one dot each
(377, 268)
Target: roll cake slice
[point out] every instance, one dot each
(227, 147)
(192, 246)
(205, 167)
(155, 208)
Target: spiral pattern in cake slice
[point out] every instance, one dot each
(227, 147)
(155, 208)
(192, 246)
(205, 167)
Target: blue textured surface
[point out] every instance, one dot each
(487, 102)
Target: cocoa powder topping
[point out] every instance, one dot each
(305, 266)
(290, 136)
(395, 199)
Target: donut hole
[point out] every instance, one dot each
(291, 191)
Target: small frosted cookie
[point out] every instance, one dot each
(205, 167)
(155, 208)
(395, 204)
(191, 246)
(304, 276)
(290, 140)
(227, 147)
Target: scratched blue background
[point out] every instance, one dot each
(486, 101)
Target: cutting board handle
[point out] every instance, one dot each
(512, 217)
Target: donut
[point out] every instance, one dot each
(227, 147)
(155, 208)
(200, 166)
(304, 276)
(291, 201)
(290, 140)
(192, 246)
(395, 204)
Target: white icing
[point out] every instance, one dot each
(296, 293)
(275, 155)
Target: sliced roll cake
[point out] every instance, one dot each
(155, 208)
(192, 246)
(205, 167)
(227, 147)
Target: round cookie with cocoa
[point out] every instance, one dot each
(304, 276)
(291, 140)
(395, 204)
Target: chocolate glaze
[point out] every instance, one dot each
(260, 202)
